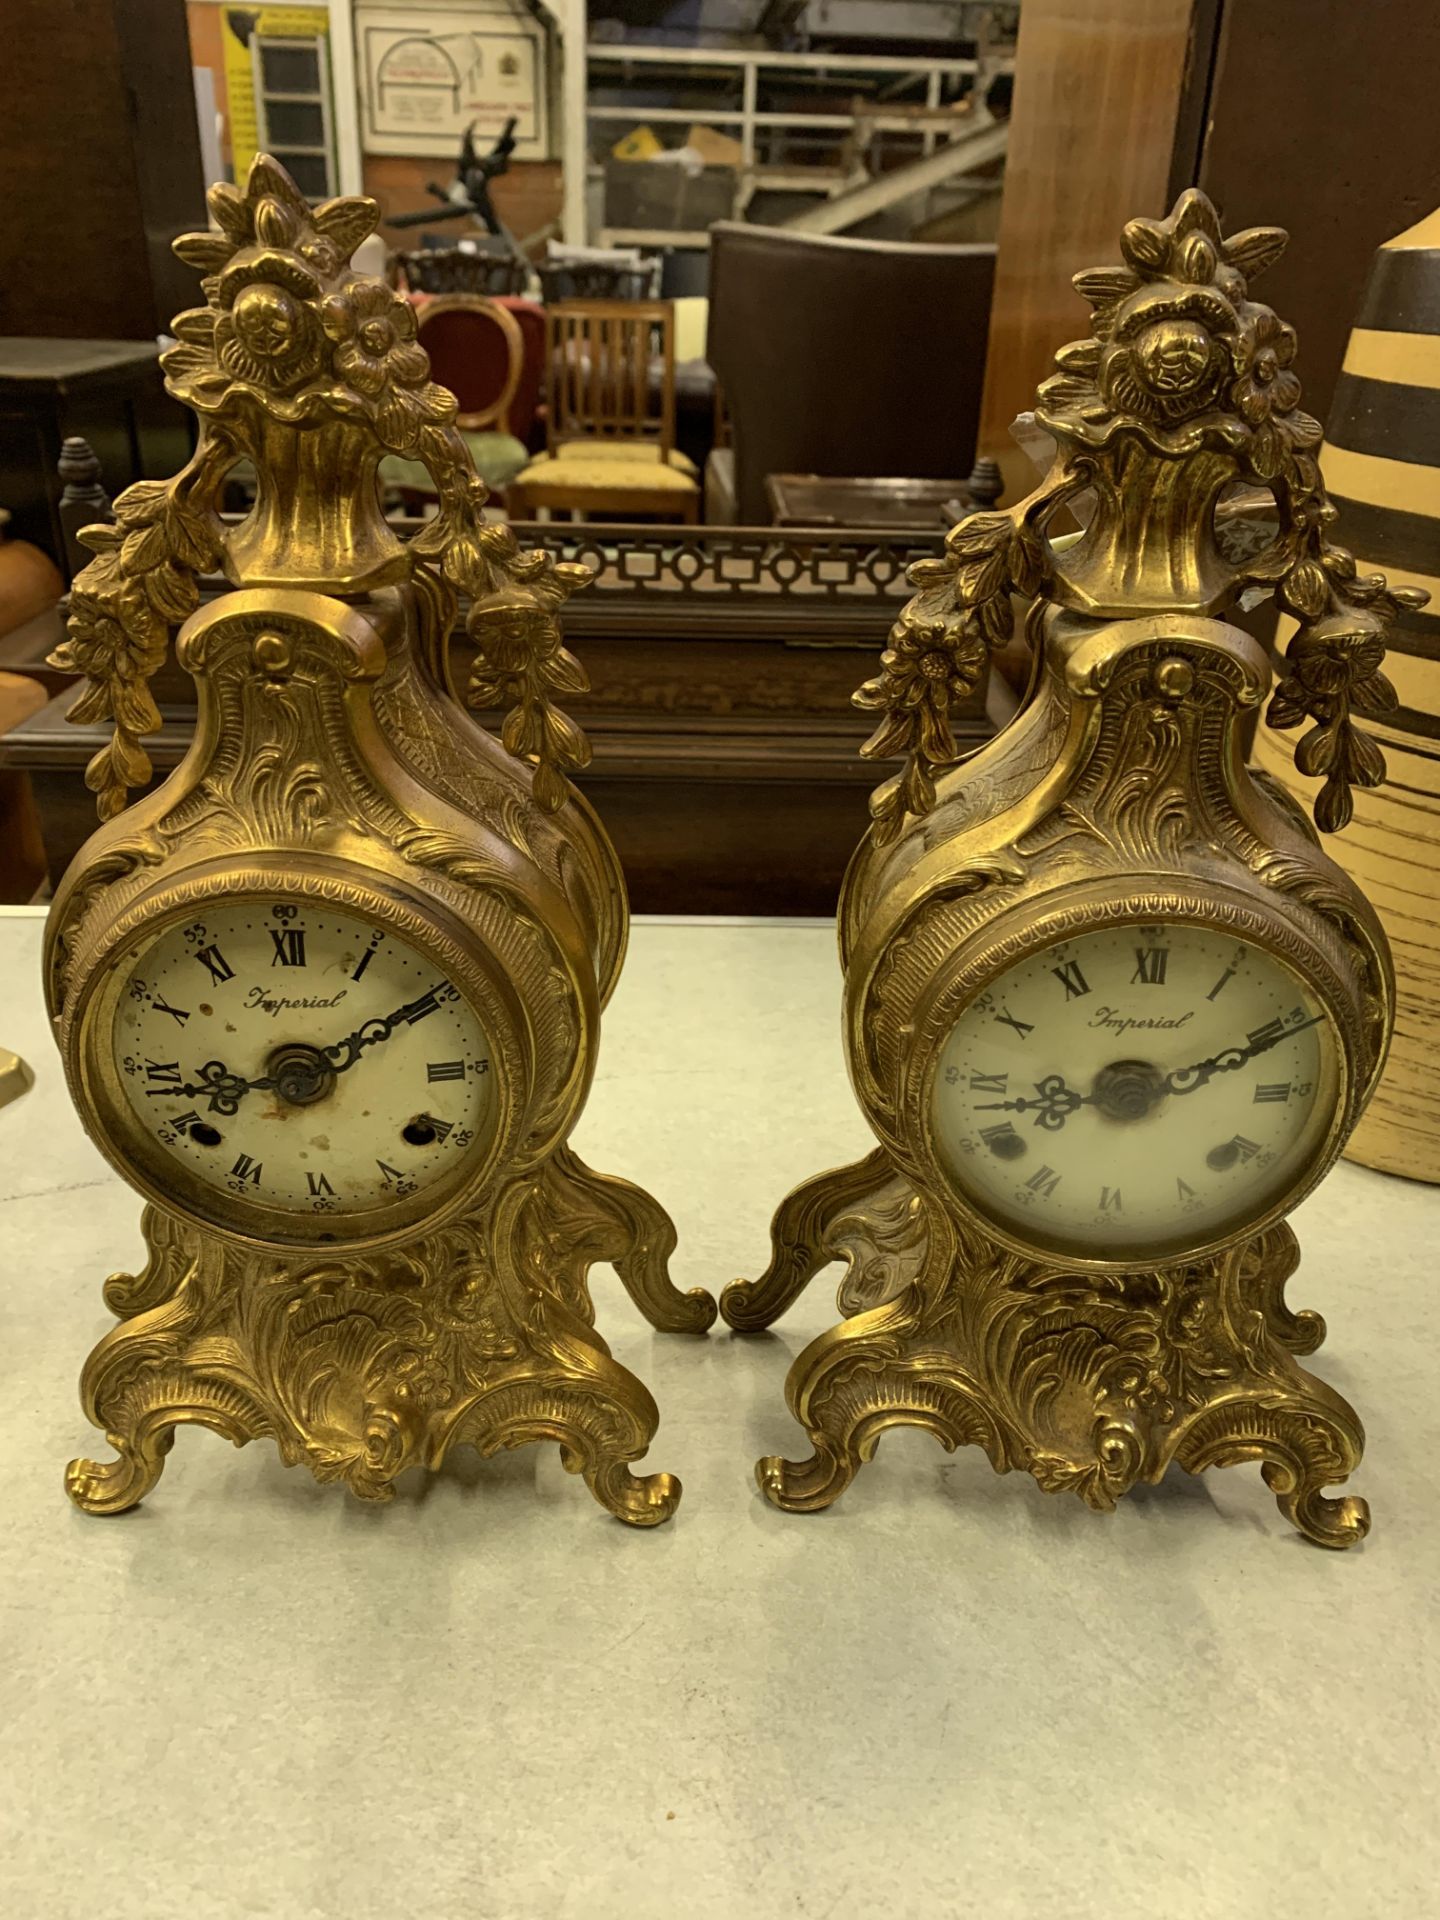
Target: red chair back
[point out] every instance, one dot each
(476, 349)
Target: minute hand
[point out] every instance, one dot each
(344, 1053)
(1187, 1079)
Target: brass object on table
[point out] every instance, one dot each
(16, 1076)
(330, 996)
(1110, 1010)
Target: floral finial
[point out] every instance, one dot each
(291, 342)
(1183, 390)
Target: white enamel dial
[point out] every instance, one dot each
(1139, 1086)
(301, 1059)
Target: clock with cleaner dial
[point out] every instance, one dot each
(1140, 1086)
(1110, 1010)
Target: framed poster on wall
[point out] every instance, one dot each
(429, 71)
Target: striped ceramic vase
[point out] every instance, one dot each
(1381, 462)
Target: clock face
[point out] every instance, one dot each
(300, 1060)
(1137, 1087)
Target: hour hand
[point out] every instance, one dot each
(221, 1088)
(1052, 1109)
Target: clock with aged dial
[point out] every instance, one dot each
(329, 996)
(1111, 1011)
(311, 1063)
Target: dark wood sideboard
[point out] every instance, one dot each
(721, 661)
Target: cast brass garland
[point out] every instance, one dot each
(1183, 390)
(312, 373)
(334, 767)
(1118, 794)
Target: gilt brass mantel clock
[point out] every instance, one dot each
(1110, 1010)
(330, 996)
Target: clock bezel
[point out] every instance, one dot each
(1310, 951)
(95, 1074)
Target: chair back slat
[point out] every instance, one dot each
(600, 355)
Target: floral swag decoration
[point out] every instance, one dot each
(1182, 370)
(291, 338)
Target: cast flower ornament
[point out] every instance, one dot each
(1266, 384)
(290, 343)
(928, 665)
(1182, 391)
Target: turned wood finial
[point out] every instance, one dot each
(83, 500)
(986, 483)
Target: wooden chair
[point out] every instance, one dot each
(477, 349)
(611, 422)
(796, 318)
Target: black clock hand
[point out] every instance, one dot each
(1057, 1102)
(346, 1052)
(1055, 1105)
(220, 1087)
(1187, 1079)
(224, 1089)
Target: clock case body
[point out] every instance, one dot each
(341, 772)
(335, 763)
(1118, 794)
(331, 765)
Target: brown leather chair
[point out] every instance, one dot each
(852, 357)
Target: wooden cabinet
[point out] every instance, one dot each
(100, 156)
(721, 664)
(1314, 115)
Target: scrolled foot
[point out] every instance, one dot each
(633, 1231)
(745, 1308)
(640, 1500)
(113, 1486)
(644, 1264)
(172, 1249)
(806, 1486)
(599, 1415)
(1305, 1439)
(1337, 1524)
(1258, 1270)
(866, 1375)
(798, 1243)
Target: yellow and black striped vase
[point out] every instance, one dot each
(1381, 462)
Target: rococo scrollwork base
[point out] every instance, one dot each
(1089, 1381)
(362, 1366)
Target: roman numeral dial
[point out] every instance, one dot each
(1135, 1088)
(282, 1057)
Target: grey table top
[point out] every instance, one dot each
(952, 1694)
